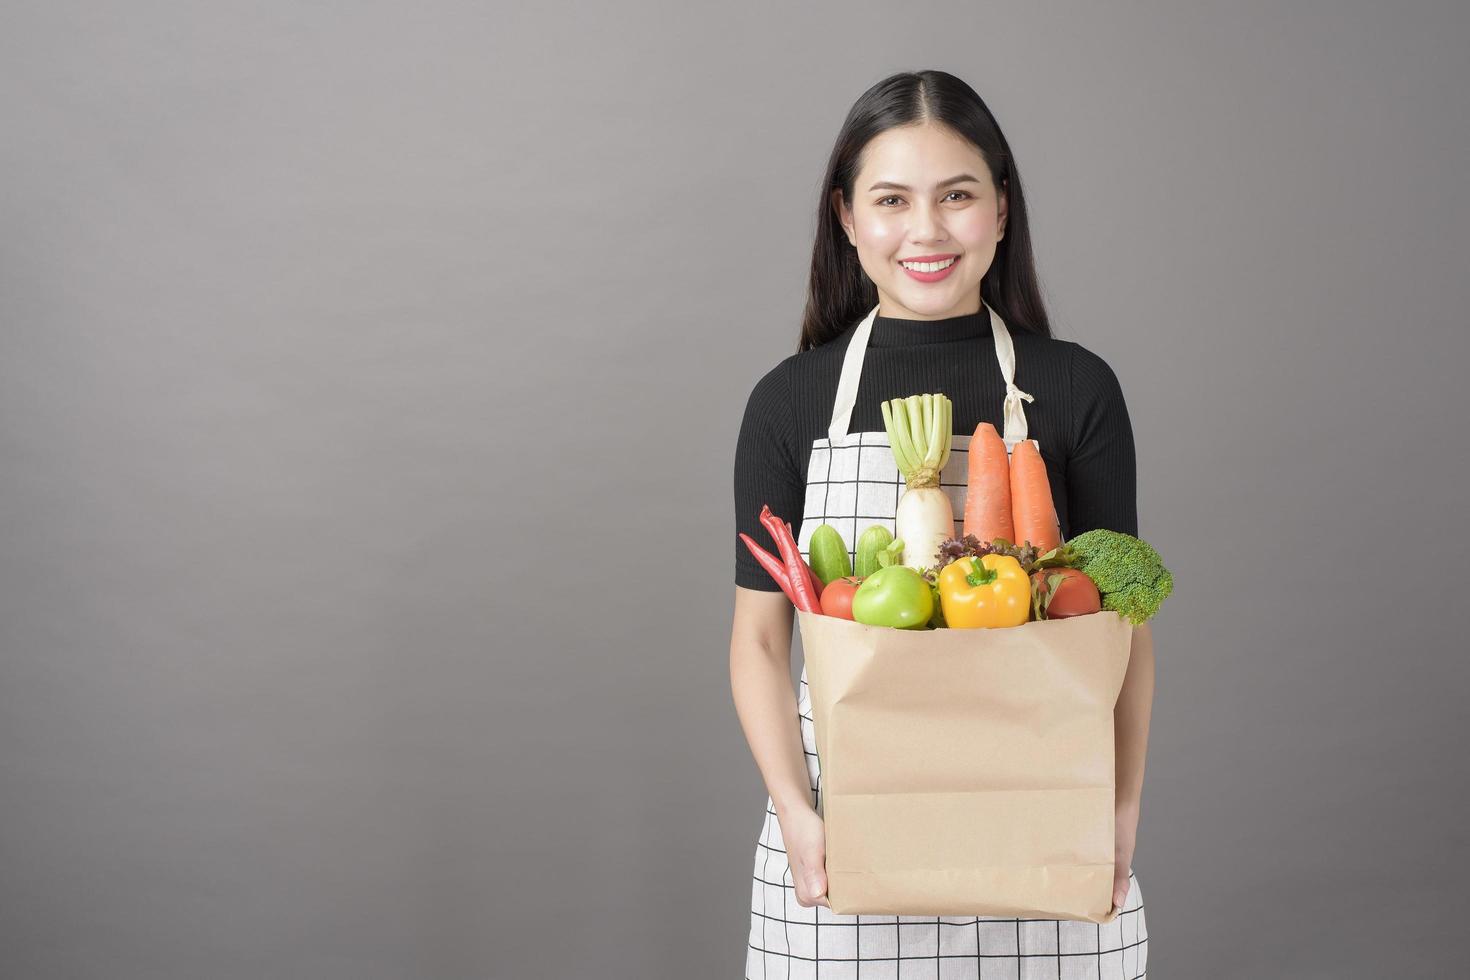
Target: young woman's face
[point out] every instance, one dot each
(924, 193)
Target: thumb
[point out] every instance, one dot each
(816, 882)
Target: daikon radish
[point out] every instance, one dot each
(1033, 511)
(919, 434)
(988, 497)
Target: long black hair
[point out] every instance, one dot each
(839, 292)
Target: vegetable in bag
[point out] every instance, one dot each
(919, 435)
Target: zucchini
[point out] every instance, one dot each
(874, 540)
(829, 554)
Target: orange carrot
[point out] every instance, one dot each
(988, 498)
(1033, 510)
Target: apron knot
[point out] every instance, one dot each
(1015, 416)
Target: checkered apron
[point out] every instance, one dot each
(853, 483)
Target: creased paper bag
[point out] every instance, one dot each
(968, 771)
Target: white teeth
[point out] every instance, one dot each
(928, 266)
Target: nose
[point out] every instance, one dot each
(927, 224)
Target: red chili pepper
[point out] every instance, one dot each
(811, 576)
(771, 564)
(803, 596)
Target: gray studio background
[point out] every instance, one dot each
(368, 395)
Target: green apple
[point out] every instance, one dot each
(895, 596)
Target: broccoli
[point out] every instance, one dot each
(1128, 572)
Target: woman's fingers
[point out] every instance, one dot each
(806, 846)
(810, 880)
(816, 887)
(1120, 889)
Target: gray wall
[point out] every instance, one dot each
(369, 387)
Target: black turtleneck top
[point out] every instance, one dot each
(1078, 417)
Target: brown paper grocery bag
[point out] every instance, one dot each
(968, 771)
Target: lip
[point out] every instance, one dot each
(930, 258)
(929, 276)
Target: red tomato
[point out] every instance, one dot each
(837, 596)
(1076, 595)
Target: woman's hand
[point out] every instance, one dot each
(1125, 824)
(806, 852)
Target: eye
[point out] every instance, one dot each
(895, 197)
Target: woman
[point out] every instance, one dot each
(922, 221)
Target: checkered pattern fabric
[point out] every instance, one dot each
(852, 486)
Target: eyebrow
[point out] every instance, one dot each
(890, 185)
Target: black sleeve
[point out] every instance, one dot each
(1101, 468)
(766, 472)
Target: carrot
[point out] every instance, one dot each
(988, 499)
(802, 595)
(1033, 511)
(771, 564)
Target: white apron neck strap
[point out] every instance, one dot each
(1005, 353)
(847, 382)
(852, 370)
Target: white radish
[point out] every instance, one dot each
(919, 434)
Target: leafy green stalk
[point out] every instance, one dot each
(920, 434)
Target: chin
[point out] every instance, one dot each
(935, 298)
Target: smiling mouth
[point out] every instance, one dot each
(938, 265)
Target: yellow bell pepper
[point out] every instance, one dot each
(991, 590)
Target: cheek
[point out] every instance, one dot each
(878, 232)
(975, 228)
